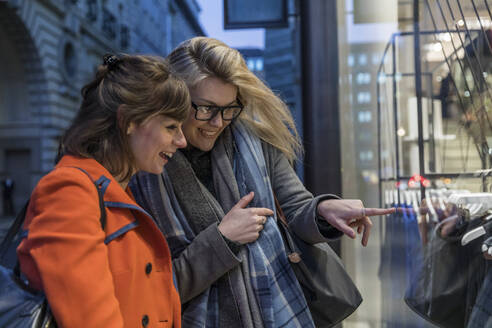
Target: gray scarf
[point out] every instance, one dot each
(235, 295)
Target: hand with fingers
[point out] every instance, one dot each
(487, 248)
(349, 214)
(243, 224)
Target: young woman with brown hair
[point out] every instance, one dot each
(119, 275)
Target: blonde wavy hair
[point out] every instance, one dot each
(265, 114)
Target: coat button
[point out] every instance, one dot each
(145, 320)
(148, 268)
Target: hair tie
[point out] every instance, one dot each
(111, 61)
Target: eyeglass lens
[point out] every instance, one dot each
(207, 113)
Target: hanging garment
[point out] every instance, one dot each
(445, 289)
(481, 316)
(401, 256)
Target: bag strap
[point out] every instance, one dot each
(19, 220)
(293, 255)
(280, 213)
(13, 230)
(100, 194)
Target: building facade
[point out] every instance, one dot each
(282, 67)
(50, 49)
(255, 61)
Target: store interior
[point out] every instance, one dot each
(430, 116)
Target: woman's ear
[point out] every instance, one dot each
(130, 129)
(120, 119)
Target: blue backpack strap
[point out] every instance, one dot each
(101, 186)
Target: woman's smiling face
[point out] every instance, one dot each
(154, 142)
(211, 91)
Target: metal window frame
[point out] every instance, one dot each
(283, 22)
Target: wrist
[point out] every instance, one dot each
(323, 208)
(233, 246)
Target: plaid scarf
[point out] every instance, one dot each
(276, 289)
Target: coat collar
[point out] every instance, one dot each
(114, 195)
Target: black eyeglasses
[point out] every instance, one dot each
(208, 112)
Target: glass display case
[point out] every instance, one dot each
(434, 135)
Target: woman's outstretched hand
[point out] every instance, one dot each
(347, 214)
(243, 225)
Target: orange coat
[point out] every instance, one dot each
(127, 282)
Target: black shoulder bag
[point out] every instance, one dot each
(21, 305)
(329, 291)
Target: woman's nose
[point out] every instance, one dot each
(179, 139)
(216, 121)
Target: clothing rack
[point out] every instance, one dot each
(452, 70)
(469, 48)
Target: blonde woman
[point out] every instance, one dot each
(115, 272)
(215, 201)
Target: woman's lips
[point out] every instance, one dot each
(208, 134)
(165, 155)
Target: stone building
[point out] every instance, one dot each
(50, 48)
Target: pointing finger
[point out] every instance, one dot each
(379, 211)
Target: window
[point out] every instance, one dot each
(362, 59)
(124, 36)
(364, 116)
(69, 60)
(363, 97)
(376, 59)
(109, 24)
(363, 78)
(366, 155)
(91, 10)
(350, 60)
(251, 64)
(259, 64)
